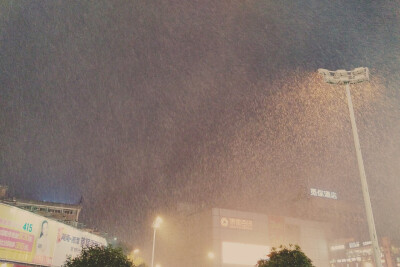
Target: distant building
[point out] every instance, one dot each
(325, 228)
(66, 213)
(218, 237)
(347, 218)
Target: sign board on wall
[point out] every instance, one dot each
(235, 223)
(357, 244)
(70, 241)
(30, 238)
(323, 193)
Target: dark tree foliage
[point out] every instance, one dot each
(100, 256)
(292, 256)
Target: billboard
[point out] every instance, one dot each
(30, 238)
(69, 242)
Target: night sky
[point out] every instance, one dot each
(139, 105)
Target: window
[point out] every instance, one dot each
(68, 211)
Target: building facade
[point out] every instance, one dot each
(66, 213)
(231, 238)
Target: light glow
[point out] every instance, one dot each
(157, 222)
(344, 77)
(337, 247)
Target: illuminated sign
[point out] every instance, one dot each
(235, 223)
(243, 254)
(29, 238)
(323, 193)
(354, 244)
(366, 243)
(337, 247)
(69, 242)
(357, 244)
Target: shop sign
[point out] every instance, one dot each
(323, 193)
(357, 244)
(235, 223)
(354, 244)
(337, 247)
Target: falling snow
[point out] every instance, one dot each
(139, 105)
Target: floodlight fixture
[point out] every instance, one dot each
(357, 75)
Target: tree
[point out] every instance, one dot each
(292, 256)
(96, 256)
(137, 260)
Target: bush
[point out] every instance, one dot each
(285, 257)
(100, 256)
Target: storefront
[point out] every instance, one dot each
(359, 254)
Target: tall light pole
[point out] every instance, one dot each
(357, 75)
(156, 224)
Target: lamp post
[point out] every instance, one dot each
(341, 77)
(156, 224)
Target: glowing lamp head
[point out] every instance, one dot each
(136, 251)
(157, 222)
(211, 255)
(323, 71)
(357, 75)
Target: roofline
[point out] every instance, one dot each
(43, 203)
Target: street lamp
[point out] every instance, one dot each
(357, 75)
(156, 224)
